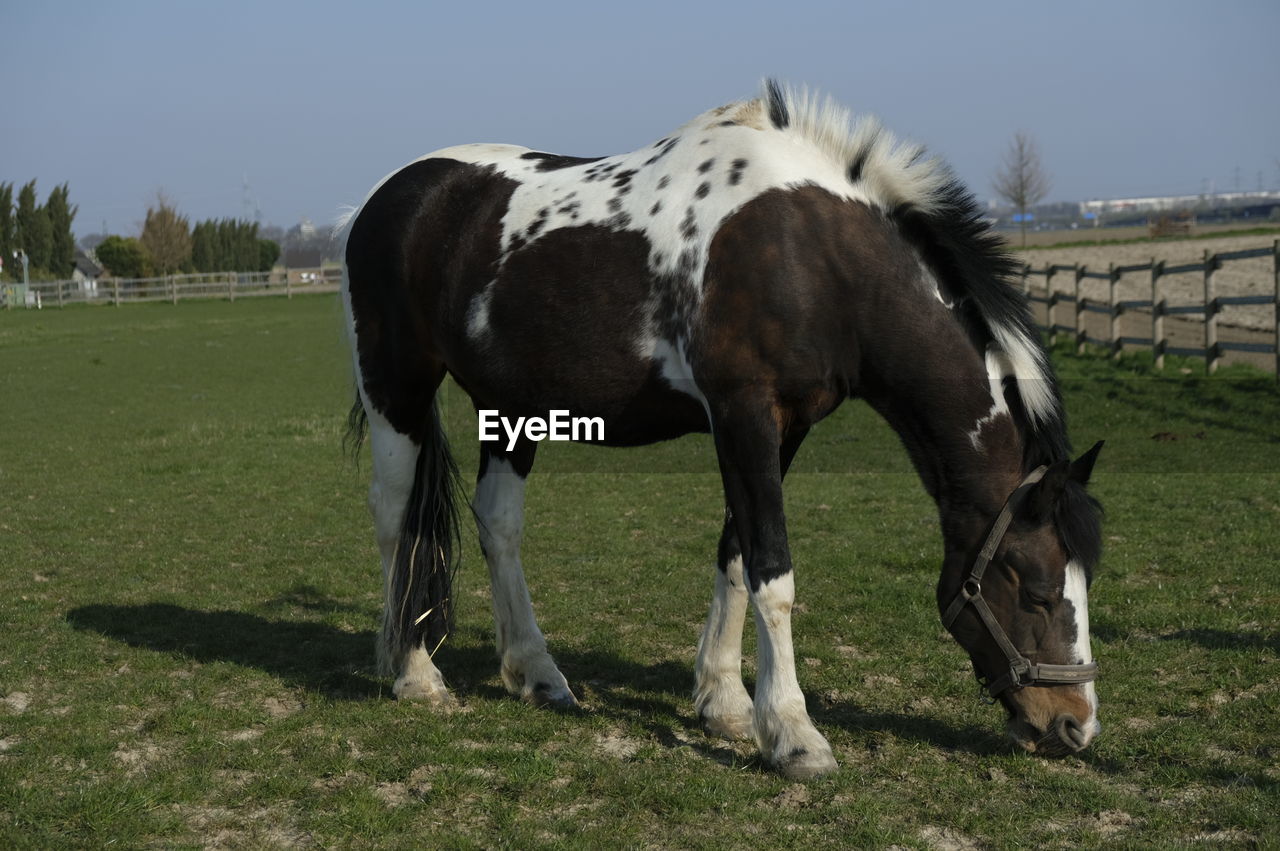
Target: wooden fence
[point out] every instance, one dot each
(172, 288)
(1209, 307)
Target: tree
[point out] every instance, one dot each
(6, 223)
(268, 254)
(124, 257)
(32, 231)
(1021, 179)
(60, 212)
(166, 236)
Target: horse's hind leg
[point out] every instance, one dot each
(527, 667)
(395, 456)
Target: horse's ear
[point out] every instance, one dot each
(1082, 467)
(1046, 492)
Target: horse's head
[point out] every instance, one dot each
(1017, 602)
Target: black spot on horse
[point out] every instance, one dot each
(663, 181)
(622, 179)
(551, 162)
(570, 209)
(728, 124)
(663, 151)
(735, 173)
(703, 190)
(706, 165)
(689, 226)
(615, 205)
(657, 205)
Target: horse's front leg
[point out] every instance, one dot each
(527, 668)
(722, 701)
(719, 696)
(747, 444)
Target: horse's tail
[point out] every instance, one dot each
(418, 610)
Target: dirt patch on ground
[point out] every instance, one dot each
(617, 745)
(946, 839)
(16, 702)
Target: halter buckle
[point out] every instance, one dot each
(1022, 671)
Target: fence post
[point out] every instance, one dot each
(115, 290)
(1157, 313)
(231, 286)
(1275, 281)
(1113, 278)
(1050, 301)
(1081, 336)
(288, 287)
(1211, 354)
(173, 289)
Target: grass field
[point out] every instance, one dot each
(189, 589)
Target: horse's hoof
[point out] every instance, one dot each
(551, 697)
(731, 727)
(803, 765)
(419, 692)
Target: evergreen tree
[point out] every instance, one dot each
(6, 228)
(268, 254)
(34, 234)
(60, 212)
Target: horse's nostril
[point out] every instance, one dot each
(1072, 733)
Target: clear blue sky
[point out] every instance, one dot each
(315, 101)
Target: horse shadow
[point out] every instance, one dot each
(324, 659)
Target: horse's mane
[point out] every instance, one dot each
(941, 218)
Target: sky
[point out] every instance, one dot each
(312, 103)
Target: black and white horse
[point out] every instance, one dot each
(741, 276)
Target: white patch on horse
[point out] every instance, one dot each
(673, 364)
(998, 366)
(719, 696)
(784, 732)
(1076, 592)
(931, 285)
(478, 313)
(1027, 364)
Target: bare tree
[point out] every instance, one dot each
(166, 235)
(1021, 179)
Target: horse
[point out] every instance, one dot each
(741, 276)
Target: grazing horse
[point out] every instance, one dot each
(741, 276)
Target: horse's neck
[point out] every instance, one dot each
(966, 448)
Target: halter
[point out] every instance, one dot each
(1022, 671)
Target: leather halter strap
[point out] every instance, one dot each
(1021, 671)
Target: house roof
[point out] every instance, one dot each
(87, 265)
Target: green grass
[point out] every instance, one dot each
(189, 588)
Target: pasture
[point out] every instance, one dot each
(189, 591)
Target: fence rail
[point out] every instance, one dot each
(171, 288)
(1209, 307)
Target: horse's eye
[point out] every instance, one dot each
(1040, 601)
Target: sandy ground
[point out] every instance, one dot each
(1238, 277)
(1253, 324)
